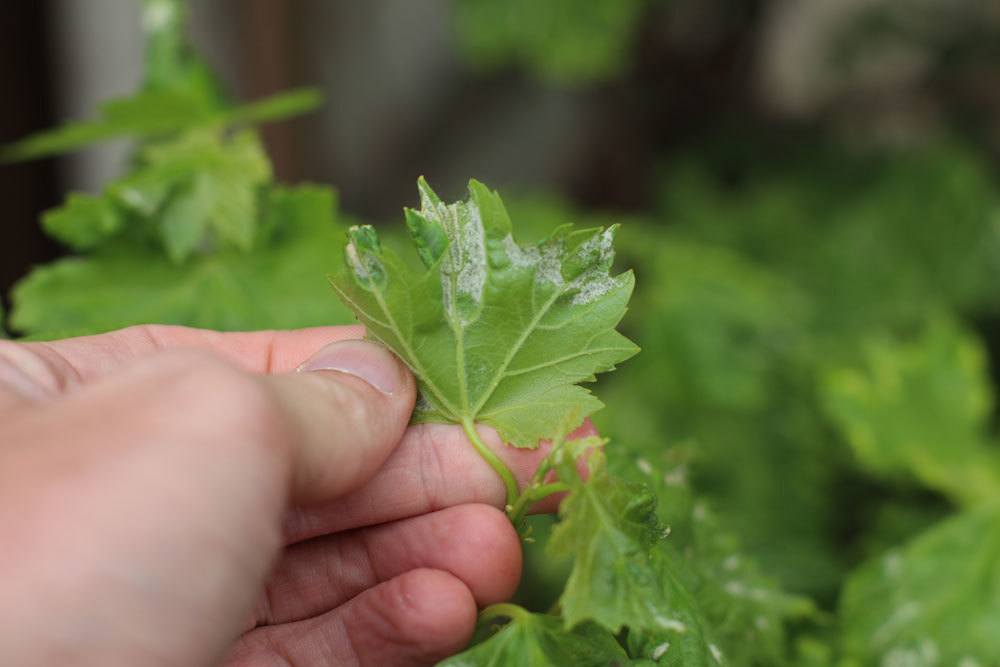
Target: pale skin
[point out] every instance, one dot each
(172, 496)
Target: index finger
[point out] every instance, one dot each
(59, 365)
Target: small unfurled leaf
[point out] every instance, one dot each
(920, 408)
(203, 185)
(83, 222)
(496, 332)
(540, 640)
(935, 601)
(122, 284)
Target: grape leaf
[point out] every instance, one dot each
(624, 575)
(198, 190)
(542, 640)
(935, 601)
(124, 284)
(921, 408)
(495, 331)
(745, 610)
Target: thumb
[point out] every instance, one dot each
(348, 406)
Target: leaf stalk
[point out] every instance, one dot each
(499, 466)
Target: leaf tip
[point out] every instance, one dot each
(429, 236)
(427, 195)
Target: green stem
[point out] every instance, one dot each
(504, 610)
(501, 469)
(531, 496)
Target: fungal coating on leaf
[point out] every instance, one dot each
(496, 332)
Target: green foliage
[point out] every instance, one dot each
(876, 240)
(196, 192)
(561, 40)
(812, 412)
(920, 408)
(496, 332)
(745, 611)
(619, 577)
(726, 356)
(84, 221)
(275, 286)
(196, 232)
(538, 639)
(934, 601)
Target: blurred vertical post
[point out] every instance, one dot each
(265, 27)
(28, 188)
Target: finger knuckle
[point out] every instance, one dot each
(234, 402)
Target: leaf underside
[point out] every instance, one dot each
(496, 332)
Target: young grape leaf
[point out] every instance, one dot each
(543, 641)
(199, 189)
(124, 284)
(921, 408)
(935, 601)
(624, 575)
(496, 332)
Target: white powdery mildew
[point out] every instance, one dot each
(593, 290)
(660, 650)
(644, 466)
(716, 653)
(550, 264)
(676, 477)
(893, 565)
(545, 259)
(595, 281)
(903, 615)
(463, 269)
(969, 661)
(671, 624)
(521, 258)
(365, 267)
(736, 589)
(925, 654)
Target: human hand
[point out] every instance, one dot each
(172, 496)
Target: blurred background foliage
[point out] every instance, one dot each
(809, 197)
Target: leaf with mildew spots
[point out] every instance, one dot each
(496, 332)
(934, 601)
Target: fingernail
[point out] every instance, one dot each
(369, 361)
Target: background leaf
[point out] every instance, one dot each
(272, 288)
(920, 408)
(934, 601)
